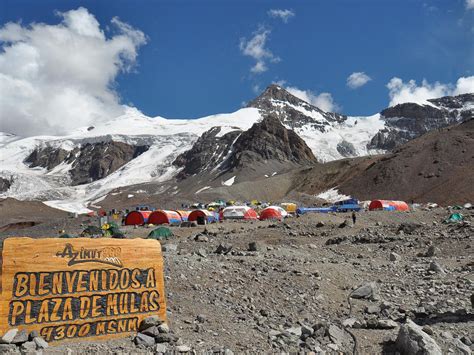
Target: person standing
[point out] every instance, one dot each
(354, 218)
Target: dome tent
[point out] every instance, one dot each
(239, 212)
(388, 205)
(137, 218)
(164, 217)
(160, 233)
(273, 212)
(203, 216)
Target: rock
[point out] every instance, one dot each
(320, 224)
(40, 343)
(372, 309)
(432, 251)
(386, 324)
(182, 348)
(336, 334)
(8, 337)
(395, 257)
(143, 339)
(169, 247)
(161, 348)
(344, 224)
(201, 238)
(367, 291)
(349, 322)
(436, 267)
(306, 330)
(8, 348)
(33, 334)
(408, 228)
(412, 339)
(149, 322)
(165, 338)
(461, 347)
(223, 249)
(254, 246)
(201, 318)
(202, 253)
(151, 331)
(27, 347)
(164, 328)
(20, 337)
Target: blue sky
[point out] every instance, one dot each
(193, 62)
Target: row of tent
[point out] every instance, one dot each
(202, 216)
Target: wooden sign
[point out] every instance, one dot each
(80, 287)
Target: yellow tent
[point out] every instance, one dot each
(289, 207)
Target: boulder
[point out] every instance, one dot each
(367, 291)
(143, 339)
(8, 337)
(412, 339)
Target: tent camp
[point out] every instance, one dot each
(137, 218)
(386, 205)
(203, 217)
(164, 217)
(239, 212)
(160, 233)
(273, 212)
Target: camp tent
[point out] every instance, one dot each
(184, 215)
(273, 212)
(239, 212)
(160, 233)
(387, 205)
(164, 217)
(203, 216)
(137, 218)
(289, 207)
(454, 217)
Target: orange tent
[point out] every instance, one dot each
(137, 218)
(164, 217)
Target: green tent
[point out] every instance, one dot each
(455, 217)
(160, 233)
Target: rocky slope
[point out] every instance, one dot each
(88, 162)
(436, 167)
(409, 120)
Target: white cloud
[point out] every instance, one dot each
(284, 15)
(357, 79)
(464, 85)
(323, 100)
(400, 92)
(54, 78)
(469, 4)
(256, 49)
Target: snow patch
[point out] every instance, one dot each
(203, 189)
(75, 207)
(229, 182)
(332, 195)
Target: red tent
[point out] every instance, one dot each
(164, 217)
(270, 213)
(388, 205)
(137, 218)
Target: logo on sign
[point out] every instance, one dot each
(107, 255)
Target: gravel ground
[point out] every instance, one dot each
(273, 287)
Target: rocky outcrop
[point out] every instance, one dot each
(270, 140)
(266, 141)
(407, 121)
(208, 152)
(89, 162)
(346, 149)
(5, 184)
